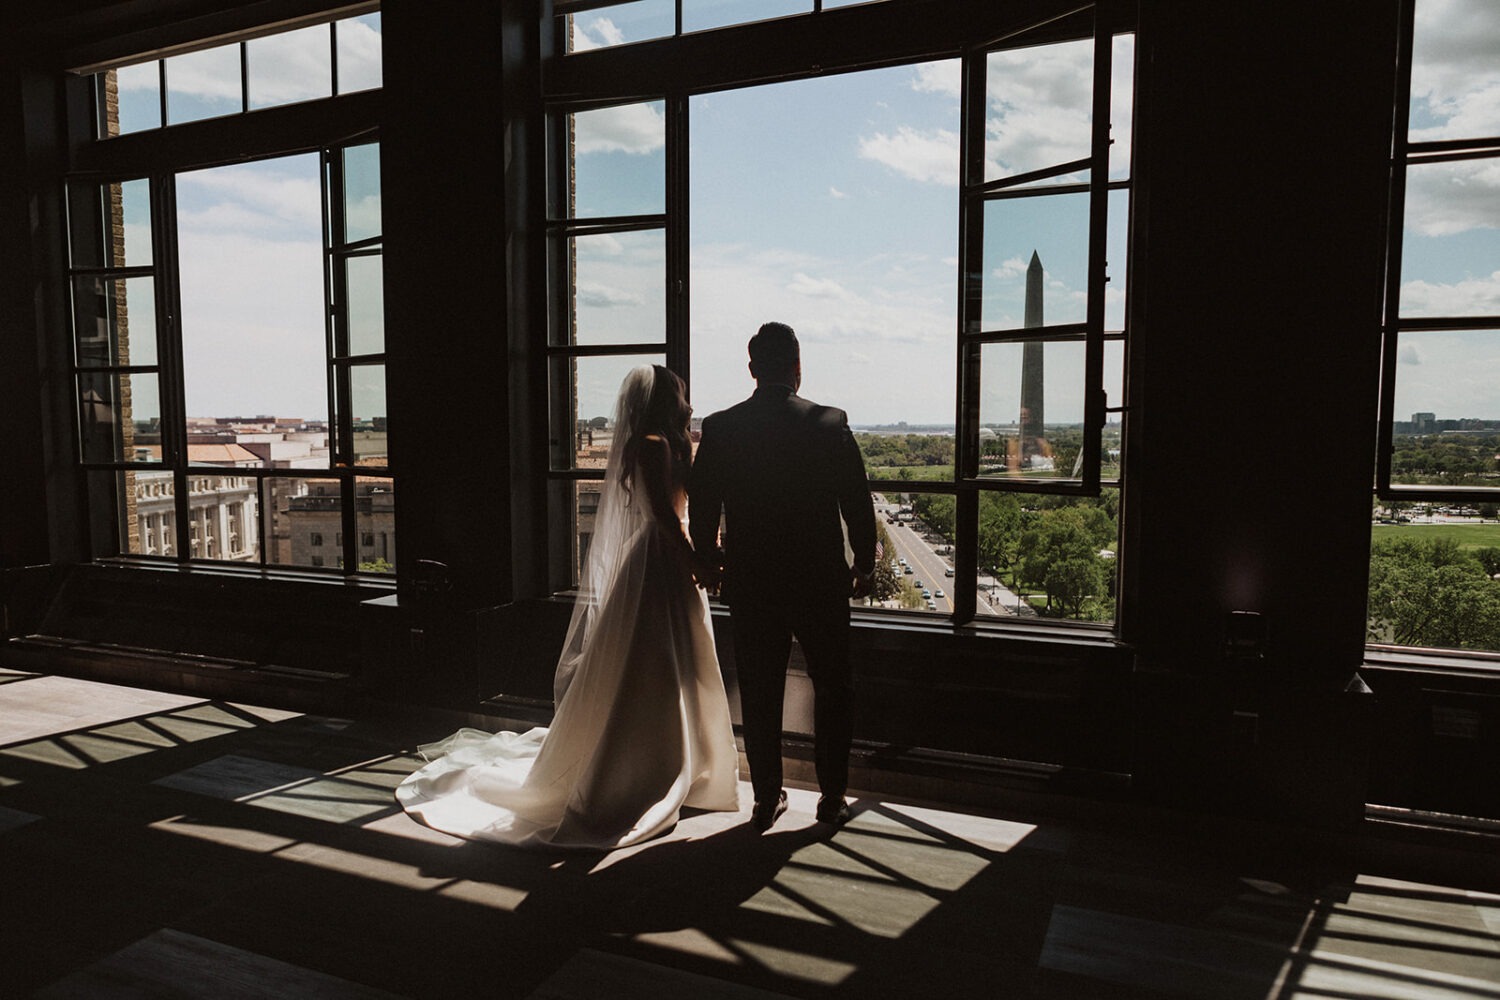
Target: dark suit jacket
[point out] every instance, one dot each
(785, 472)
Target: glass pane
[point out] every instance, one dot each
(132, 99)
(1039, 108)
(291, 66)
(698, 15)
(105, 312)
(204, 84)
(619, 161)
(223, 518)
(1036, 259)
(1121, 105)
(368, 383)
(119, 417)
(361, 192)
(586, 503)
(1450, 250)
(359, 53)
(1454, 73)
(365, 282)
(307, 522)
(149, 513)
(619, 288)
(132, 222)
(1116, 259)
(622, 23)
(829, 204)
(253, 330)
(595, 383)
(110, 224)
(1031, 400)
(1449, 384)
(375, 518)
(1047, 556)
(914, 533)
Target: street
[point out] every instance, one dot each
(932, 569)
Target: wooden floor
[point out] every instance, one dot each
(157, 845)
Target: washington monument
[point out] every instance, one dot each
(1031, 432)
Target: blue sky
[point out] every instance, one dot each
(830, 204)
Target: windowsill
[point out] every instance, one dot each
(917, 623)
(282, 574)
(1435, 661)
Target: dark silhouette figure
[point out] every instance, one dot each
(787, 477)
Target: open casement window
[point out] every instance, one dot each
(1434, 581)
(165, 274)
(613, 241)
(1042, 245)
(1034, 268)
(1440, 379)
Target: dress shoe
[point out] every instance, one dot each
(833, 810)
(765, 813)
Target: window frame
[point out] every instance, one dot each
(327, 126)
(1405, 154)
(639, 71)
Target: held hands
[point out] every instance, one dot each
(708, 572)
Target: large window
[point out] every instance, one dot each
(228, 323)
(1435, 553)
(948, 237)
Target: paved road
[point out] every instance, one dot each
(932, 569)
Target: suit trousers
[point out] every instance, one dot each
(763, 634)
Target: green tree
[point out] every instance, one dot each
(885, 581)
(936, 511)
(1431, 593)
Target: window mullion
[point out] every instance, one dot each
(1094, 402)
(1395, 220)
(678, 306)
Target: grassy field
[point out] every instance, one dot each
(1468, 536)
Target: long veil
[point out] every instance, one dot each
(620, 516)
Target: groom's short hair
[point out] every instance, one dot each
(774, 350)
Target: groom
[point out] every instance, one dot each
(788, 477)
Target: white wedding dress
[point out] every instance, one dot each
(642, 726)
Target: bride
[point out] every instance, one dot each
(641, 727)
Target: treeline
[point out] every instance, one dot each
(1448, 459)
(894, 451)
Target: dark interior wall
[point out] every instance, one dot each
(1265, 139)
(443, 200)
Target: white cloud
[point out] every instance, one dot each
(944, 78)
(1447, 198)
(605, 297)
(256, 196)
(1469, 297)
(819, 288)
(1455, 77)
(595, 33)
(835, 193)
(627, 128)
(928, 155)
(601, 245)
(1010, 269)
(291, 66)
